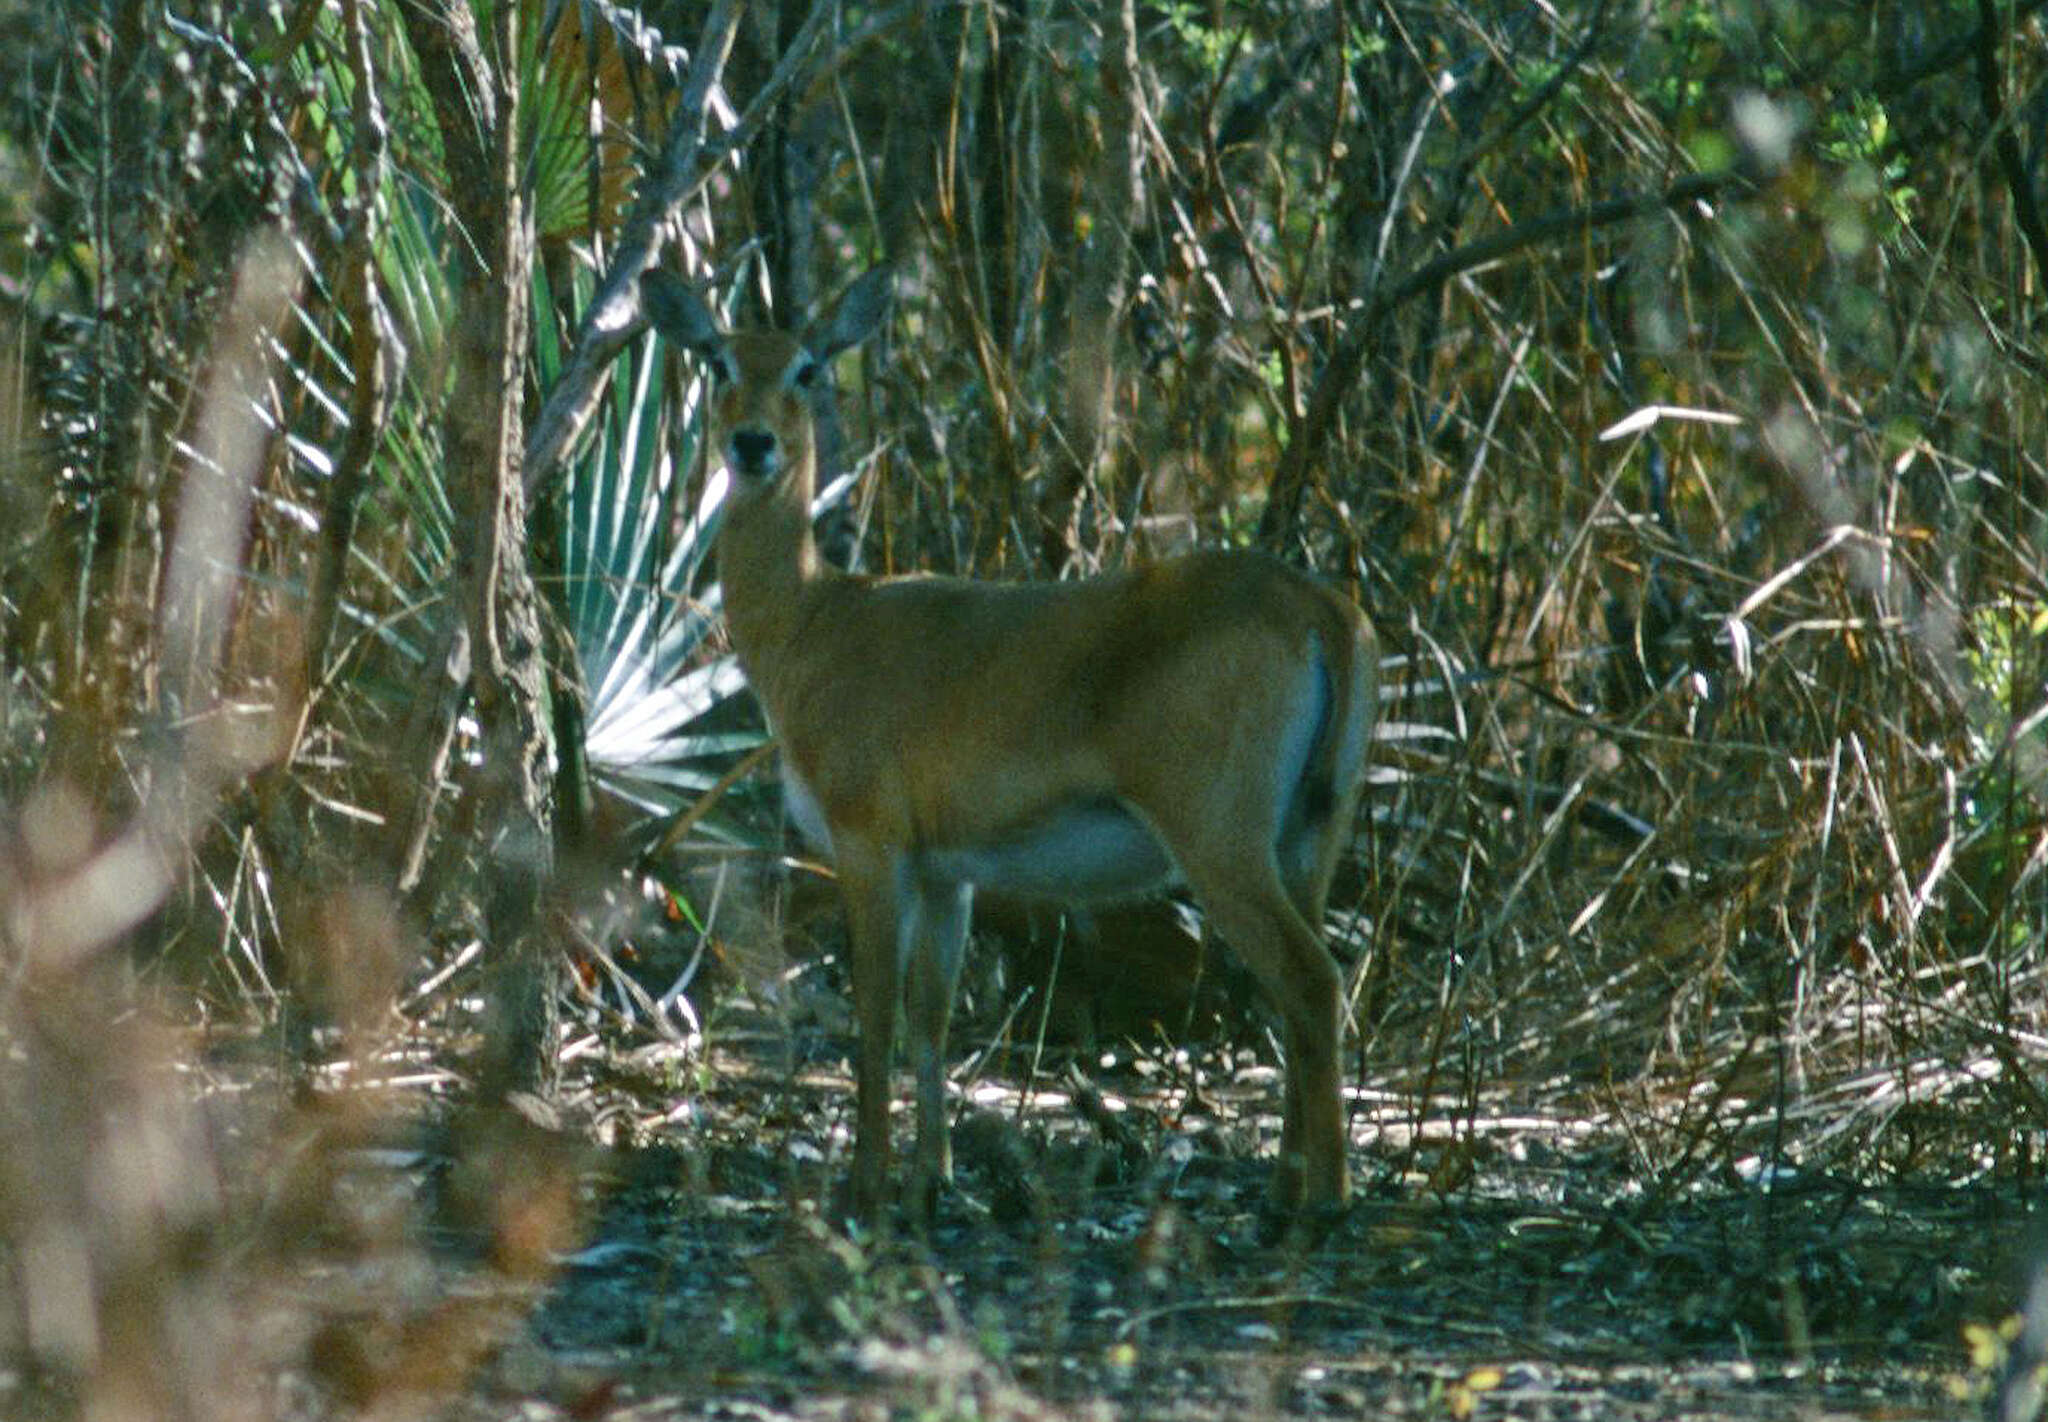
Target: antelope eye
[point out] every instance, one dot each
(805, 376)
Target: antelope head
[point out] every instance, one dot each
(766, 381)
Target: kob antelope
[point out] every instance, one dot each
(1202, 721)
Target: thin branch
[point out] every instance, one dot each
(2012, 163)
(684, 166)
(1540, 230)
(613, 316)
(1290, 479)
(1955, 51)
(374, 346)
(1538, 101)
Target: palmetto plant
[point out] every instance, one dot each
(344, 112)
(633, 576)
(620, 542)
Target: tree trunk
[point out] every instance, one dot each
(1099, 291)
(475, 88)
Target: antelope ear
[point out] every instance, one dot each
(681, 316)
(854, 316)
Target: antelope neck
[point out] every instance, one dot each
(767, 559)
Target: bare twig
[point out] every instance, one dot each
(1290, 478)
(679, 173)
(2012, 163)
(374, 347)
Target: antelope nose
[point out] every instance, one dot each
(753, 451)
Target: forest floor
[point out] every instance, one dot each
(656, 1249)
(1102, 1259)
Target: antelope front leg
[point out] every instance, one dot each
(875, 912)
(937, 943)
